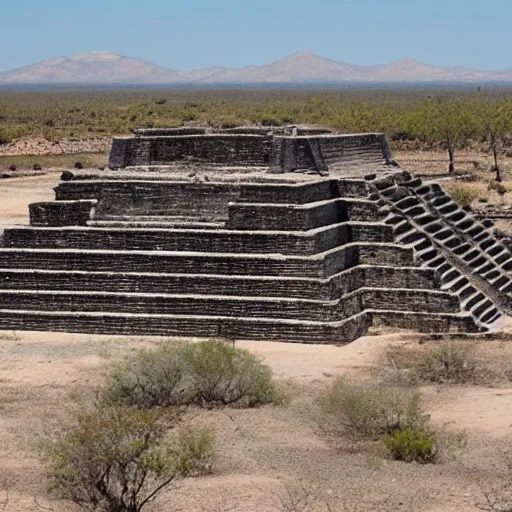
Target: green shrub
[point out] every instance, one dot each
(498, 187)
(412, 445)
(193, 452)
(226, 375)
(450, 362)
(150, 378)
(117, 459)
(206, 373)
(371, 412)
(188, 114)
(464, 196)
(269, 121)
(10, 133)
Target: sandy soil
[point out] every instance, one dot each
(265, 457)
(263, 454)
(17, 193)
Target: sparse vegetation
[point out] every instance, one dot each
(428, 118)
(10, 133)
(412, 445)
(371, 412)
(463, 195)
(448, 362)
(498, 187)
(206, 373)
(118, 459)
(378, 413)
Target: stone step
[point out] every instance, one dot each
(429, 323)
(437, 218)
(166, 224)
(268, 242)
(441, 201)
(261, 286)
(490, 316)
(319, 266)
(303, 217)
(189, 326)
(150, 197)
(449, 207)
(264, 329)
(231, 306)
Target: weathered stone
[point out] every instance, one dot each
(237, 233)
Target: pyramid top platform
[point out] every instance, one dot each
(251, 151)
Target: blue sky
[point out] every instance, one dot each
(187, 34)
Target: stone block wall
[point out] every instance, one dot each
(165, 132)
(208, 200)
(281, 149)
(62, 213)
(307, 261)
(329, 152)
(283, 217)
(266, 242)
(238, 150)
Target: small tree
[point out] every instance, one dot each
(443, 117)
(496, 118)
(117, 460)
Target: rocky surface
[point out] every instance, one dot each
(41, 146)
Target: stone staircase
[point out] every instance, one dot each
(315, 261)
(471, 263)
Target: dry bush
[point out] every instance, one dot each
(150, 378)
(371, 411)
(497, 187)
(377, 413)
(206, 373)
(449, 362)
(118, 459)
(226, 375)
(463, 195)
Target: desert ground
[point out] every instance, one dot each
(274, 458)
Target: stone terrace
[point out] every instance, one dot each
(315, 239)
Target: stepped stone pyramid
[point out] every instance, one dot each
(294, 234)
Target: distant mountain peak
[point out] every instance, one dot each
(302, 67)
(408, 61)
(95, 56)
(304, 53)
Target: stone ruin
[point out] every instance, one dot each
(293, 234)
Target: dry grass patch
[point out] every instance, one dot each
(392, 417)
(466, 194)
(370, 412)
(448, 362)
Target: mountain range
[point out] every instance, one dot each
(300, 68)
